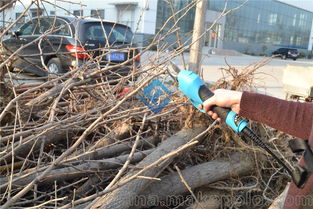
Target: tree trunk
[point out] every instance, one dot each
(239, 164)
(110, 151)
(34, 143)
(71, 172)
(121, 197)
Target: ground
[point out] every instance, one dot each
(270, 79)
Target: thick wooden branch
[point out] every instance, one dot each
(120, 198)
(34, 143)
(239, 164)
(171, 186)
(110, 151)
(71, 172)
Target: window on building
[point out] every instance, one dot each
(17, 15)
(78, 13)
(272, 19)
(97, 13)
(259, 18)
(36, 12)
(298, 40)
(291, 40)
(302, 20)
(294, 20)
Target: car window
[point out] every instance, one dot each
(115, 33)
(30, 28)
(55, 26)
(61, 27)
(35, 27)
(43, 25)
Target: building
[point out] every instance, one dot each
(259, 26)
(140, 15)
(5, 4)
(262, 26)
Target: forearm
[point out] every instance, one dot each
(294, 118)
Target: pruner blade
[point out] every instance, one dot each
(173, 70)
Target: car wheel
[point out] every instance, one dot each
(54, 66)
(284, 57)
(294, 59)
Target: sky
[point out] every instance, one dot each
(305, 4)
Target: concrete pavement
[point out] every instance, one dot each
(268, 79)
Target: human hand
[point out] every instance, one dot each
(223, 98)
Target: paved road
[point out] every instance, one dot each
(269, 77)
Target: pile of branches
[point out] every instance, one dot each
(79, 141)
(85, 140)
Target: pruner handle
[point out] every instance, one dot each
(204, 94)
(194, 88)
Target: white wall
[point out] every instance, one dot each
(303, 4)
(149, 16)
(142, 16)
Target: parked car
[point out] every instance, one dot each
(285, 53)
(109, 43)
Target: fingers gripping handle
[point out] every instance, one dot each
(230, 117)
(204, 94)
(194, 88)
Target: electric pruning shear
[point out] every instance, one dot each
(191, 85)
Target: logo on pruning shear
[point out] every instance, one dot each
(156, 96)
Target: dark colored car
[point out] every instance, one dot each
(285, 53)
(70, 42)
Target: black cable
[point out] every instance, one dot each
(298, 174)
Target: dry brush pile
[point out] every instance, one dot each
(80, 142)
(83, 140)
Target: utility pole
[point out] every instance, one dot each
(198, 30)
